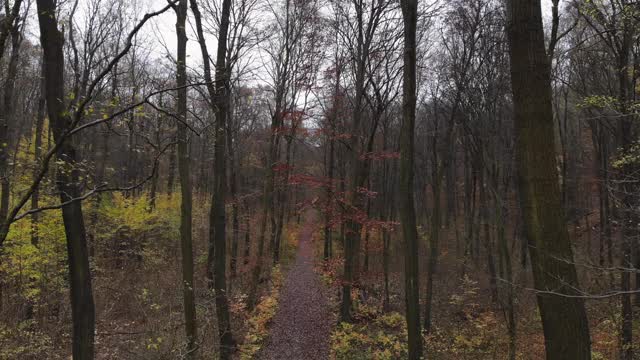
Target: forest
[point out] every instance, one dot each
(319, 179)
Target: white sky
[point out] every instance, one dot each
(159, 37)
(163, 29)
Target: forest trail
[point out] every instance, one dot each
(302, 324)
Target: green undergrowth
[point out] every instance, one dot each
(262, 317)
(375, 335)
(24, 341)
(474, 333)
(289, 244)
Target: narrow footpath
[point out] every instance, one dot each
(302, 324)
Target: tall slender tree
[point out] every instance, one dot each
(82, 305)
(218, 93)
(218, 224)
(363, 23)
(407, 207)
(184, 171)
(12, 25)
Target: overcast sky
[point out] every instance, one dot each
(159, 36)
(163, 30)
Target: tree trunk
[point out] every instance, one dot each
(407, 210)
(218, 93)
(267, 199)
(488, 241)
(386, 214)
(627, 188)
(563, 314)
(171, 176)
(506, 272)
(367, 235)
(153, 191)
(434, 240)
(217, 262)
(35, 198)
(247, 233)
(233, 188)
(82, 305)
(356, 180)
(283, 197)
(184, 170)
(329, 201)
(6, 119)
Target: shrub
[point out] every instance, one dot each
(261, 318)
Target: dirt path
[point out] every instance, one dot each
(302, 325)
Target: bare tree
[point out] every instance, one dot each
(184, 169)
(219, 93)
(407, 210)
(82, 305)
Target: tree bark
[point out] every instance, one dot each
(407, 210)
(171, 176)
(82, 305)
(217, 262)
(328, 236)
(184, 171)
(35, 198)
(247, 233)
(235, 207)
(227, 343)
(627, 187)
(563, 314)
(358, 172)
(8, 112)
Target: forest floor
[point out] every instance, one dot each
(303, 323)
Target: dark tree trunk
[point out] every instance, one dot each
(247, 234)
(282, 203)
(329, 200)
(355, 165)
(35, 198)
(468, 205)
(488, 241)
(440, 169)
(386, 214)
(628, 217)
(267, 199)
(343, 188)
(171, 176)
(451, 191)
(217, 262)
(407, 210)
(8, 113)
(434, 240)
(563, 314)
(506, 272)
(184, 170)
(268, 203)
(153, 191)
(235, 207)
(227, 343)
(82, 305)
